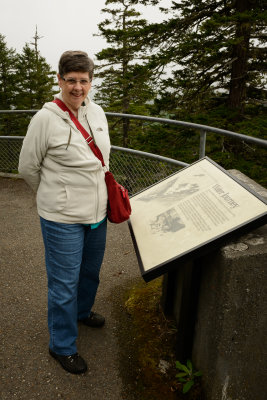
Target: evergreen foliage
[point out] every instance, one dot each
(214, 48)
(203, 63)
(7, 84)
(208, 59)
(7, 74)
(26, 82)
(35, 80)
(126, 83)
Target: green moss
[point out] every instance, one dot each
(154, 341)
(154, 338)
(146, 338)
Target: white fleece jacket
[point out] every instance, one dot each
(58, 164)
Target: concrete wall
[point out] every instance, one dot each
(231, 329)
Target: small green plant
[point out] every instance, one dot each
(187, 376)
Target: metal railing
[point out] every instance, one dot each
(133, 169)
(203, 129)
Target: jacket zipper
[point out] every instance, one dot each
(97, 199)
(97, 182)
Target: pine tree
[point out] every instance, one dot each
(7, 74)
(7, 84)
(125, 81)
(35, 79)
(214, 48)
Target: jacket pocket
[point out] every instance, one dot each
(80, 201)
(51, 200)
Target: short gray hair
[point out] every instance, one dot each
(77, 61)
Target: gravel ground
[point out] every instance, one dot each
(28, 372)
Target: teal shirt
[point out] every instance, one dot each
(94, 226)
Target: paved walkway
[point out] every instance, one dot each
(28, 372)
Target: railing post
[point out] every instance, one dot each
(202, 143)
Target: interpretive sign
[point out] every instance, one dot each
(190, 213)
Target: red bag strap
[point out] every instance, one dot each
(89, 140)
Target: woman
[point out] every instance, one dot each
(71, 197)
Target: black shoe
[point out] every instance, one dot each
(74, 364)
(94, 320)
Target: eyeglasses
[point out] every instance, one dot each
(73, 82)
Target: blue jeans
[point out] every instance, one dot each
(73, 256)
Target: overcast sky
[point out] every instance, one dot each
(63, 25)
